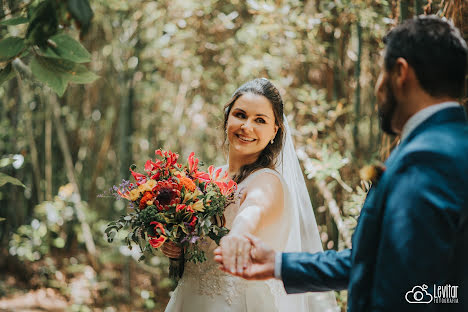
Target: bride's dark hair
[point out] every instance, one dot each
(269, 156)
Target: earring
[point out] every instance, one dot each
(272, 141)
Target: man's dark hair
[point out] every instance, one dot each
(436, 51)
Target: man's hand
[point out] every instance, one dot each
(262, 261)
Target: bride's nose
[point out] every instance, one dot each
(246, 126)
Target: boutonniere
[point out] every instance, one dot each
(371, 174)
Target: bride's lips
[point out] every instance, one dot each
(245, 139)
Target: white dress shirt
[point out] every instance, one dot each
(412, 123)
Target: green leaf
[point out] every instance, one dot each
(10, 48)
(6, 162)
(50, 73)
(44, 23)
(6, 74)
(57, 73)
(4, 179)
(15, 21)
(81, 12)
(62, 46)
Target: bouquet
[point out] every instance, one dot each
(174, 202)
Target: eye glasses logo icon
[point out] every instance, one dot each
(419, 294)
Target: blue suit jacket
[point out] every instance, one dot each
(413, 228)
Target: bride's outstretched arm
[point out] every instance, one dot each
(262, 205)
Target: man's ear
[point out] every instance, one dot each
(400, 72)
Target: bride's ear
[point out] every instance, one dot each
(276, 130)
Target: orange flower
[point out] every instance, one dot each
(148, 196)
(188, 183)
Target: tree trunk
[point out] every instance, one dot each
(357, 93)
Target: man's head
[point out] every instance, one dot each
(425, 61)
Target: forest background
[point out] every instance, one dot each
(88, 88)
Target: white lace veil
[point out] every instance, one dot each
(303, 235)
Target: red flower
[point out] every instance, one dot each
(152, 165)
(159, 239)
(193, 221)
(193, 163)
(140, 178)
(170, 157)
(146, 197)
(166, 193)
(226, 188)
(182, 207)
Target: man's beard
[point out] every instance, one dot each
(387, 110)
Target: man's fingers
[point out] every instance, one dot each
(218, 259)
(217, 251)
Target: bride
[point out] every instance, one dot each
(272, 204)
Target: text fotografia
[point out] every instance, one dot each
(441, 294)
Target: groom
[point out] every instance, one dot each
(410, 247)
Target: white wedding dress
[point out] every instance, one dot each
(205, 288)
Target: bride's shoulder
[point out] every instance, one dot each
(264, 178)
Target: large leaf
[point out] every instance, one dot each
(81, 12)
(6, 162)
(4, 179)
(10, 48)
(50, 73)
(57, 73)
(82, 75)
(6, 73)
(62, 46)
(14, 21)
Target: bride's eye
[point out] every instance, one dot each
(239, 115)
(260, 120)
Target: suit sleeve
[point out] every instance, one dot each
(419, 231)
(322, 271)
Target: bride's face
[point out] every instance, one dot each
(251, 125)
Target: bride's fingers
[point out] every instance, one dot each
(228, 251)
(243, 256)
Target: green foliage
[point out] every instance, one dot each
(62, 46)
(58, 73)
(43, 23)
(10, 48)
(82, 13)
(6, 73)
(4, 179)
(45, 38)
(48, 229)
(15, 21)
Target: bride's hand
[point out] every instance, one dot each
(171, 250)
(235, 249)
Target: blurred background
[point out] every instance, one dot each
(156, 74)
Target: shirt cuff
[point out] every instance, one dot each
(278, 260)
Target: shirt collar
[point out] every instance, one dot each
(422, 115)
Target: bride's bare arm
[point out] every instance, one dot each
(263, 204)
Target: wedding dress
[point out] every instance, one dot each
(205, 288)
